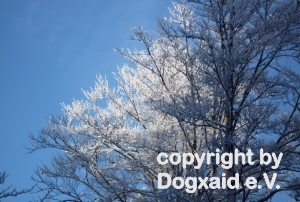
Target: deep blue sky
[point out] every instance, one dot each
(49, 50)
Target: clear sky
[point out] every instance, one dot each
(49, 50)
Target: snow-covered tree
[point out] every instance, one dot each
(218, 75)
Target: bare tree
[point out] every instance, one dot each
(9, 191)
(217, 76)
